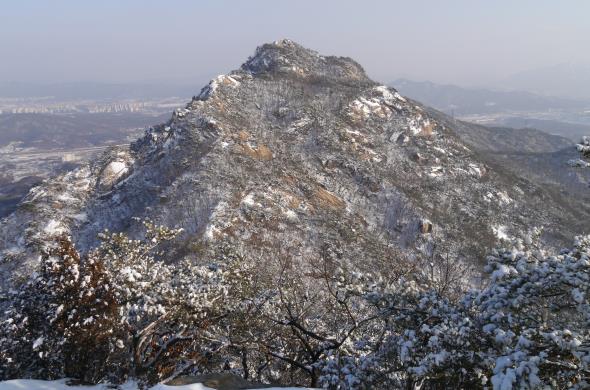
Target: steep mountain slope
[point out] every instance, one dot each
(291, 155)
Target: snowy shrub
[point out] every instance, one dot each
(120, 312)
(528, 328)
(33, 328)
(584, 148)
(114, 313)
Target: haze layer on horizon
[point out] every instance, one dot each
(462, 42)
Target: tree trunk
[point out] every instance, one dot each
(314, 378)
(245, 362)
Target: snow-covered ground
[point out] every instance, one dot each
(20, 384)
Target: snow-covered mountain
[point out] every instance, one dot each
(289, 154)
(326, 230)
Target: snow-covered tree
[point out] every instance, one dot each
(32, 329)
(584, 148)
(119, 311)
(528, 328)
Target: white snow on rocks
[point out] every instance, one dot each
(475, 170)
(501, 232)
(115, 171)
(300, 123)
(379, 104)
(210, 232)
(218, 214)
(418, 124)
(38, 343)
(503, 198)
(387, 95)
(291, 215)
(584, 146)
(117, 168)
(579, 163)
(209, 90)
(436, 171)
(54, 228)
(502, 271)
(249, 200)
(500, 196)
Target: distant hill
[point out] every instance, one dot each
(466, 101)
(96, 90)
(526, 152)
(566, 79)
(46, 131)
(573, 131)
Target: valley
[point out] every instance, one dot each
(569, 118)
(36, 144)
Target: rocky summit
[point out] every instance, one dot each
(293, 154)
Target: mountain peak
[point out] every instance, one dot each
(288, 57)
(296, 151)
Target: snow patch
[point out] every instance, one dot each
(249, 200)
(500, 273)
(387, 95)
(501, 232)
(117, 167)
(579, 163)
(38, 343)
(214, 84)
(66, 197)
(210, 232)
(436, 171)
(291, 215)
(300, 123)
(112, 173)
(475, 170)
(54, 228)
(379, 104)
(440, 150)
(61, 384)
(503, 198)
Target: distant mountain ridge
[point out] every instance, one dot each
(95, 90)
(464, 101)
(566, 79)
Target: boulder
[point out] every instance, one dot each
(425, 226)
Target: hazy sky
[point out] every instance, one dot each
(468, 42)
